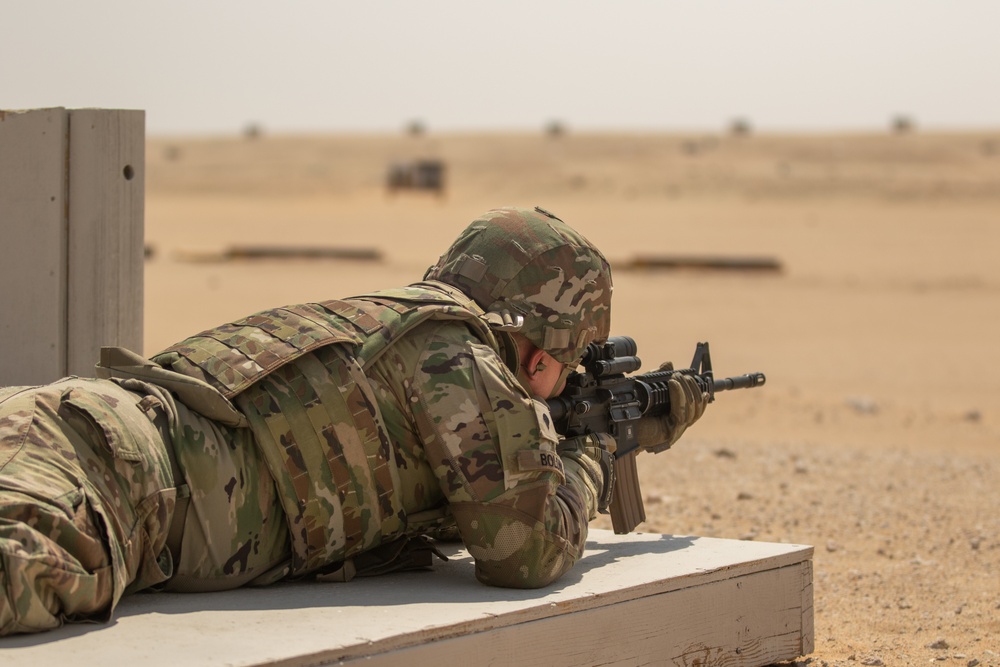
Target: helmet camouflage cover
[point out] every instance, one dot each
(531, 263)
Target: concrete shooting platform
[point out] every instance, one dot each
(633, 599)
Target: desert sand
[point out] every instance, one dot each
(876, 437)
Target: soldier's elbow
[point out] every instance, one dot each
(523, 574)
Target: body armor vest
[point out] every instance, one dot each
(297, 374)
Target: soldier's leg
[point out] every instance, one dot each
(41, 580)
(85, 499)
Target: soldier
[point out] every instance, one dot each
(324, 439)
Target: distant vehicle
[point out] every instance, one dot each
(416, 175)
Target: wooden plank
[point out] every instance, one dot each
(741, 621)
(808, 634)
(106, 198)
(281, 252)
(700, 263)
(33, 217)
(631, 599)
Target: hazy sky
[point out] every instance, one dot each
(800, 65)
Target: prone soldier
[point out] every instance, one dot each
(324, 440)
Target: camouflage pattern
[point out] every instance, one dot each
(235, 531)
(85, 495)
(322, 429)
(530, 263)
(292, 373)
(301, 403)
(370, 419)
(469, 439)
(88, 493)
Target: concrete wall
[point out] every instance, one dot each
(71, 239)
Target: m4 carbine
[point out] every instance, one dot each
(605, 399)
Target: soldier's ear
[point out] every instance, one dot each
(533, 361)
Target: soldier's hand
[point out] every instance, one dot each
(687, 405)
(595, 454)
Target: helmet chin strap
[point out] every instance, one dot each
(503, 323)
(509, 352)
(567, 369)
(522, 377)
(511, 355)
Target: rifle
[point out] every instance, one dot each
(604, 399)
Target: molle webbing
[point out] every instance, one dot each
(297, 374)
(404, 308)
(318, 425)
(234, 356)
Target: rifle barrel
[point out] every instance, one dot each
(739, 382)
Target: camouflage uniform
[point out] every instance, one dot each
(309, 436)
(91, 472)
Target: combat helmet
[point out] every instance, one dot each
(522, 262)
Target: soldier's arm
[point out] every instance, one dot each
(521, 508)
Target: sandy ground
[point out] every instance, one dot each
(876, 436)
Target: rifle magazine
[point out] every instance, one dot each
(627, 510)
